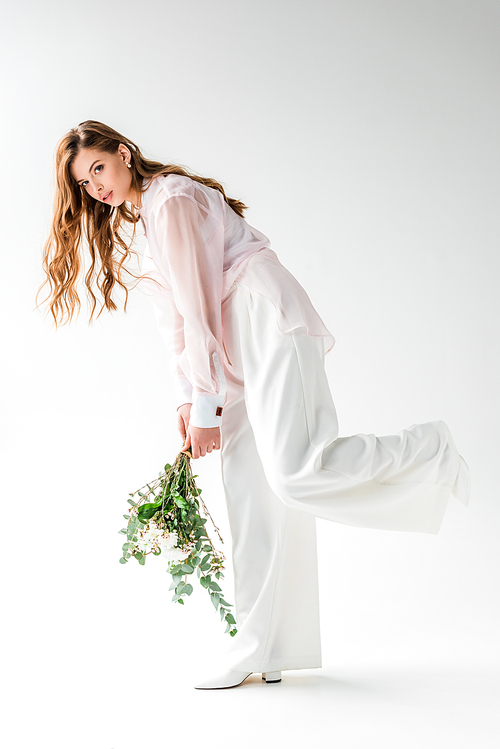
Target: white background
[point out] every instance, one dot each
(363, 136)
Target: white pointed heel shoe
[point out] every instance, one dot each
(462, 486)
(225, 680)
(272, 677)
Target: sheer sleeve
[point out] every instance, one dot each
(192, 252)
(171, 326)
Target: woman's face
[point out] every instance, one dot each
(105, 176)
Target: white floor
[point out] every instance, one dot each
(366, 706)
(372, 706)
(359, 699)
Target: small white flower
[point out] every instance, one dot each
(174, 554)
(143, 544)
(168, 541)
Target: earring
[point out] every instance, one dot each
(129, 166)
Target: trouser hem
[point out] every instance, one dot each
(278, 664)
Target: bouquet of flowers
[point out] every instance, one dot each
(166, 520)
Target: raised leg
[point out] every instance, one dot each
(392, 482)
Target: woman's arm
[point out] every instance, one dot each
(194, 264)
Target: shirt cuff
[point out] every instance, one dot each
(206, 411)
(183, 391)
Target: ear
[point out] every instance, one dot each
(124, 153)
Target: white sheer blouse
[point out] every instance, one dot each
(197, 248)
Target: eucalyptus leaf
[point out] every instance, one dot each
(215, 600)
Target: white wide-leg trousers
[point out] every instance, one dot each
(283, 465)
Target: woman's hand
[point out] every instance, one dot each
(183, 416)
(200, 440)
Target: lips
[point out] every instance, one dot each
(105, 197)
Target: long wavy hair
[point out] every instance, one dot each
(79, 219)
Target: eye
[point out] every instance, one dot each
(85, 182)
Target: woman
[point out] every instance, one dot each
(247, 350)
